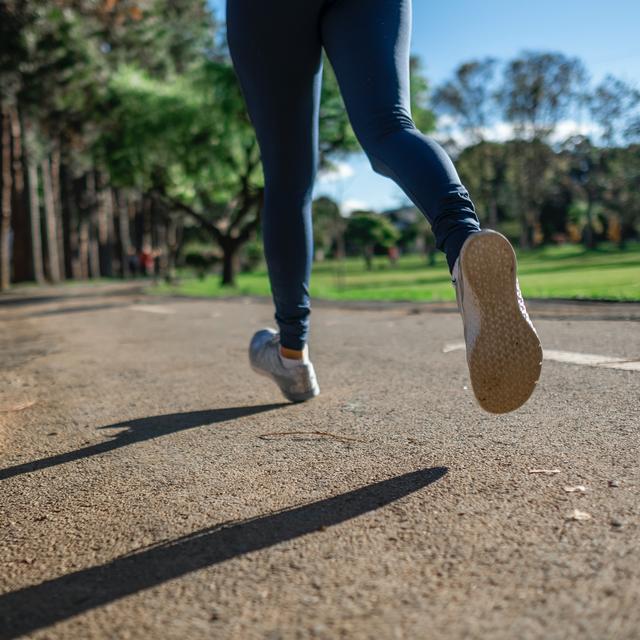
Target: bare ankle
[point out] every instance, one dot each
(292, 354)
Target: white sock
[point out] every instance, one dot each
(290, 363)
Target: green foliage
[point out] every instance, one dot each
(336, 134)
(370, 229)
(367, 230)
(252, 255)
(143, 93)
(538, 90)
(421, 112)
(483, 169)
(201, 262)
(615, 107)
(161, 37)
(328, 224)
(469, 96)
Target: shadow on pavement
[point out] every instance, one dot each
(38, 606)
(139, 430)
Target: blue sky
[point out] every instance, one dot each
(604, 34)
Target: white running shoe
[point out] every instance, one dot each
(298, 383)
(503, 350)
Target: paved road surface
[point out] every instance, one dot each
(152, 486)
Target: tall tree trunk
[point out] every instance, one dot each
(174, 240)
(105, 225)
(34, 216)
(20, 223)
(137, 215)
(57, 201)
(52, 254)
(83, 248)
(124, 237)
(30, 169)
(493, 213)
(526, 233)
(156, 236)
(161, 239)
(147, 223)
(78, 236)
(94, 248)
(229, 262)
(368, 257)
(147, 266)
(589, 234)
(5, 201)
(69, 215)
(112, 224)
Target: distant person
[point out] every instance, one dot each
(133, 262)
(146, 260)
(276, 48)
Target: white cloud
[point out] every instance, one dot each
(341, 171)
(352, 204)
(568, 128)
(503, 131)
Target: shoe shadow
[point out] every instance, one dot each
(41, 605)
(139, 430)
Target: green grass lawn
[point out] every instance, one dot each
(551, 272)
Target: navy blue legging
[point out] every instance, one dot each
(276, 49)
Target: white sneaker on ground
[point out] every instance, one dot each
(298, 382)
(503, 350)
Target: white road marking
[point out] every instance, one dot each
(152, 308)
(592, 360)
(572, 357)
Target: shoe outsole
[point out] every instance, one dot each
(506, 359)
(299, 397)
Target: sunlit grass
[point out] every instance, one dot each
(551, 272)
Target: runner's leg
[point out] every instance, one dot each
(368, 45)
(276, 52)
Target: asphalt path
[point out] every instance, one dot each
(152, 486)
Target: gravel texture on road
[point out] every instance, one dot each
(152, 486)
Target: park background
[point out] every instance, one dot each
(126, 151)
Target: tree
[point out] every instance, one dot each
(538, 90)
(621, 194)
(130, 118)
(366, 230)
(614, 108)
(328, 226)
(586, 171)
(189, 144)
(469, 97)
(420, 233)
(482, 168)
(56, 61)
(5, 201)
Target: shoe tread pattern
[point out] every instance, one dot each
(505, 360)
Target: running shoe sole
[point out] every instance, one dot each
(505, 359)
(292, 397)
